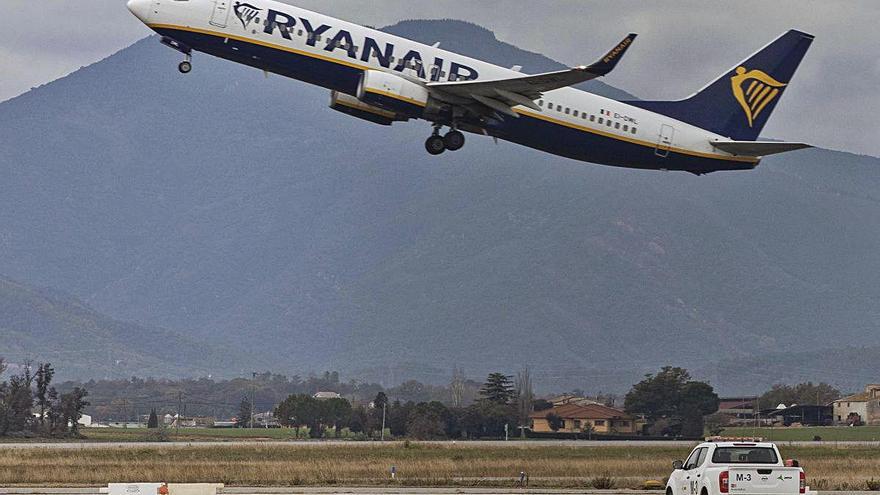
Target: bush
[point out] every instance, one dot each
(160, 435)
(820, 484)
(604, 482)
(873, 485)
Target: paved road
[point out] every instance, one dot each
(343, 491)
(369, 491)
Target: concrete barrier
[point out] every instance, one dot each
(146, 488)
(153, 488)
(194, 488)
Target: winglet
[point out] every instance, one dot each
(610, 60)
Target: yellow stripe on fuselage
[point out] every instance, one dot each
(538, 116)
(640, 142)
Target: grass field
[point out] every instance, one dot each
(368, 464)
(188, 434)
(827, 433)
(171, 434)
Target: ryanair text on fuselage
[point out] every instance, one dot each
(282, 24)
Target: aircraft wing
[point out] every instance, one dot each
(758, 148)
(502, 94)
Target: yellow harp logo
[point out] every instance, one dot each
(754, 90)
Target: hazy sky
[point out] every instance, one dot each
(833, 102)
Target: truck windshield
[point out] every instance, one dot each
(744, 455)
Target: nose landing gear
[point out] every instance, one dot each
(452, 141)
(186, 67)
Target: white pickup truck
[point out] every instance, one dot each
(747, 468)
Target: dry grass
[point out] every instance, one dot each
(463, 464)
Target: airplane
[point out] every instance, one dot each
(382, 78)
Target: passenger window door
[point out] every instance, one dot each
(696, 459)
(692, 460)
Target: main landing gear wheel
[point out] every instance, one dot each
(435, 145)
(185, 67)
(453, 140)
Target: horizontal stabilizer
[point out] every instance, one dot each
(758, 148)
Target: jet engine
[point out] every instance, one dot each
(393, 93)
(350, 105)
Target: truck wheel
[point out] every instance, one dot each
(704, 492)
(669, 491)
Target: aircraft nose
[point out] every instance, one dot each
(140, 8)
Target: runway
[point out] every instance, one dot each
(331, 443)
(372, 491)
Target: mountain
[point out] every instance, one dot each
(848, 368)
(45, 325)
(239, 210)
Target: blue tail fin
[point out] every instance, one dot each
(739, 102)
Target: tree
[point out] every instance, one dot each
(802, 393)
(45, 372)
(497, 389)
(359, 422)
(300, 410)
(525, 396)
(153, 422)
(555, 422)
(72, 405)
(380, 400)
(494, 417)
(411, 391)
(671, 394)
(377, 414)
(717, 422)
(398, 418)
(428, 421)
(697, 401)
(456, 387)
(54, 413)
(657, 395)
(587, 428)
(245, 410)
(16, 403)
(336, 412)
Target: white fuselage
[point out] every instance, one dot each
(330, 52)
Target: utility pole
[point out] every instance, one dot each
(382, 435)
(179, 405)
(253, 395)
(124, 415)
